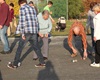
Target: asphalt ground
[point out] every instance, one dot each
(59, 65)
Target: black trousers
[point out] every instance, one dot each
(97, 49)
(22, 43)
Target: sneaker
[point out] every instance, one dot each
(11, 66)
(40, 65)
(5, 52)
(35, 59)
(95, 65)
(19, 64)
(45, 58)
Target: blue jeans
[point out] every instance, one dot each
(4, 38)
(34, 42)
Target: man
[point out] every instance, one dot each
(50, 3)
(4, 23)
(77, 29)
(45, 26)
(28, 28)
(11, 14)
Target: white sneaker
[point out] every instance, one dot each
(95, 65)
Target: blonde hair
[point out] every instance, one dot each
(97, 8)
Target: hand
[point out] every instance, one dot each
(41, 35)
(94, 38)
(23, 37)
(84, 55)
(46, 35)
(0, 26)
(74, 50)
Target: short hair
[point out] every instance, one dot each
(92, 4)
(31, 2)
(11, 4)
(45, 12)
(97, 8)
(22, 1)
(50, 2)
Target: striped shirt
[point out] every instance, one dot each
(81, 33)
(27, 20)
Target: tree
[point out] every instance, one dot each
(75, 8)
(16, 6)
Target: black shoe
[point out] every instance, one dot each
(0, 60)
(5, 52)
(11, 66)
(40, 65)
(45, 58)
(35, 59)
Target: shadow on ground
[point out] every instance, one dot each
(48, 73)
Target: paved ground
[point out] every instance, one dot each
(58, 67)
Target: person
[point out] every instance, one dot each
(28, 28)
(90, 24)
(50, 3)
(10, 28)
(96, 22)
(45, 26)
(77, 29)
(4, 23)
(32, 4)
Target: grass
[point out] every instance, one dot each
(66, 31)
(61, 33)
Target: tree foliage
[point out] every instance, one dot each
(75, 8)
(16, 6)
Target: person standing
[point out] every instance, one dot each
(28, 28)
(10, 28)
(4, 23)
(96, 22)
(32, 4)
(50, 3)
(77, 29)
(90, 24)
(45, 26)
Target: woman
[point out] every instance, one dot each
(96, 22)
(90, 24)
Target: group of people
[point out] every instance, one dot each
(77, 29)
(33, 25)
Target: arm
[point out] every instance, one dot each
(22, 21)
(88, 20)
(96, 27)
(4, 15)
(50, 25)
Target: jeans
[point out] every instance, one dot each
(92, 36)
(34, 39)
(4, 38)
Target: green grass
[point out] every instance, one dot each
(61, 33)
(66, 31)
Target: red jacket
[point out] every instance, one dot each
(11, 15)
(4, 14)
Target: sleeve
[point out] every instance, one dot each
(5, 13)
(96, 26)
(50, 25)
(88, 20)
(22, 21)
